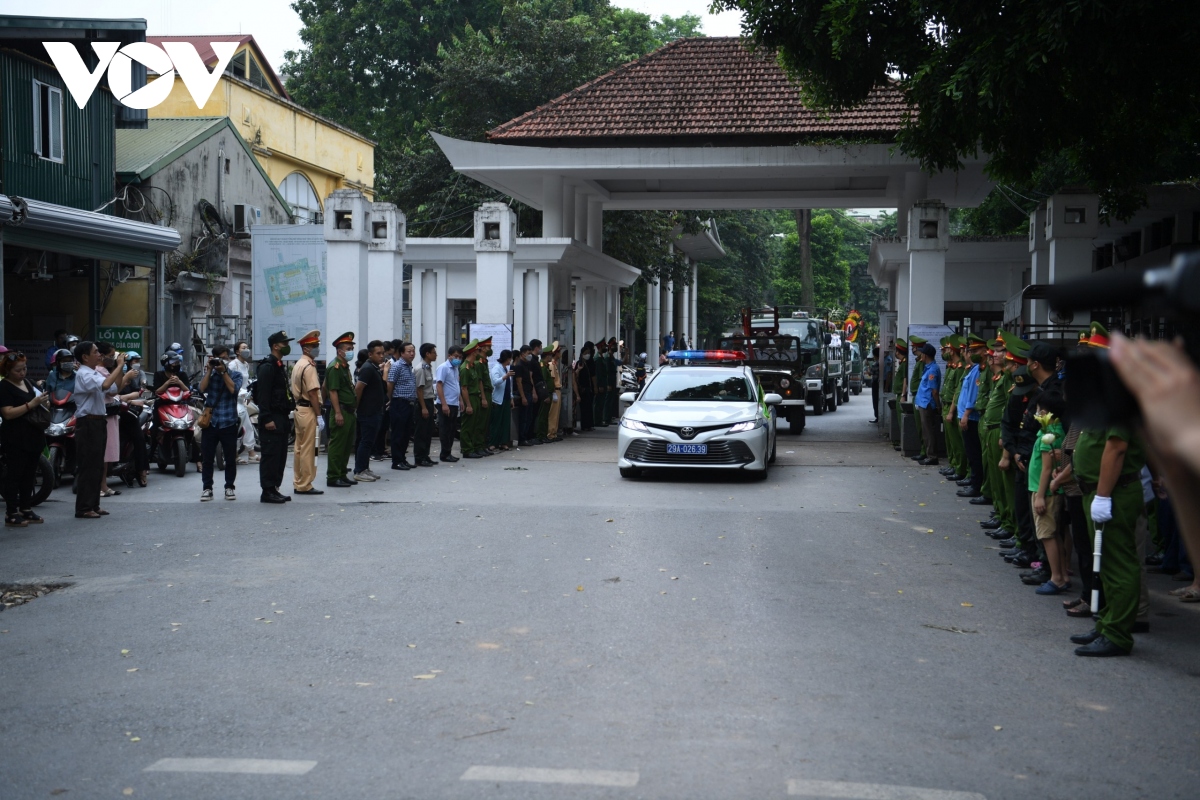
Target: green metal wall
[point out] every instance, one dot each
(86, 177)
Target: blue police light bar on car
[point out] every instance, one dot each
(711, 356)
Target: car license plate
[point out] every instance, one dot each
(687, 449)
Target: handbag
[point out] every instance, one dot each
(38, 418)
(205, 418)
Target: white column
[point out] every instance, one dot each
(495, 243)
(346, 236)
(520, 335)
(552, 210)
(902, 315)
(441, 304)
(928, 240)
(582, 205)
(1070, 227)
(568, 211)
(529, 306)
(545, 307)
(385, 273)
(581, 316)
(685, 312)
(695, 294)
(1039, 265)
(653, 336)
(416, 297)
(595, 223)
(668, 309)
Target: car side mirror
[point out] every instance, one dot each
(773, 399)
(628, 397)
(828, 338)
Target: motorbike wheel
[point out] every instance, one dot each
(56, 464)
(181, 458)
(43, 480)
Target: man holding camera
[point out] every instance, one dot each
(220, 386)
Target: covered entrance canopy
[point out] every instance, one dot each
(706, 124)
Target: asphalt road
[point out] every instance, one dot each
(532, 626)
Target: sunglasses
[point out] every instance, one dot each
(14, 355)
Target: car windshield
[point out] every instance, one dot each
(682, 386)
(808, 331)
(764, 348)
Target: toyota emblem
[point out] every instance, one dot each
(687, 432)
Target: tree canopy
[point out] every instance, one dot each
(1099, 85)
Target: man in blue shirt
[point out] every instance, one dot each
(968, 422)
(221, 386)
(446, 383)
(403, 393)
(928, 403)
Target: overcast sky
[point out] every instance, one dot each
(277, 28)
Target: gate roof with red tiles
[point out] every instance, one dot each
(699, 91)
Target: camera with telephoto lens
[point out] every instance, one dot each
(214, 362)
(1096, 396)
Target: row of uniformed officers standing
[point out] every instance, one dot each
(1002, 408)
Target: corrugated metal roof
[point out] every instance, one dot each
(141, 153)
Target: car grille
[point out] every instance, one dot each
(696, 429)
(651, 451)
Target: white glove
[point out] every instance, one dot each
(1101, 509)
(320, 423)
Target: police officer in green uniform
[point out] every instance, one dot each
(1107, 463)
(543, 411)
(339, 383)
(469, 439)
(485, 381)
(899, 383)
(614, 353)
(600, 403)
(1018, 441)
(950, 387)
(915, 343)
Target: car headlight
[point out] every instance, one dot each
(634, 425)
(784, 383)
(815, 371)
(749, 425)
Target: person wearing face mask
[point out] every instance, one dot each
(63, 372)
(221, 386)
(241, 365)
(585, 387)
(306, 388)
(132, 384)
(600, 364)
(274, 405)
(525, 396)
(339, 384)
(448, 395)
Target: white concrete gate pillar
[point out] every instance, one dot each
(385, 275)
(653, 334)
(580, 223)
(668, 309)
(1039, 264)
(495, 243)
(595, 223)
(928, 240)
(1071, 225)
(568, 211)
(346, 236)
(695, 293)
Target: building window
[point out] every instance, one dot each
(300, 195)
(47, 122)
(259, 78)
(237, 65)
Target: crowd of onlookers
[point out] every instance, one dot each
(366, 405)
(1050, 481)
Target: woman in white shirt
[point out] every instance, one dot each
(500, 415)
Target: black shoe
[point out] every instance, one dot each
(472, 455)
(978, 499)
(425, 462)
(963, 481)
(991, 524)
(402, 466)
(946, 470)
(311, 490)
(448, 459)
(340, 483)
(1011, 551)
(1100, 648)
(1008, 543)
(484, 453)
(1035, 578)
(928, 462)
(286, 498)
(539, 441)
(1021, 561)
(917, 457)
(267, 497)
(895, 447)
(1141, 627)
(1085, 638)
(968, 491)
(872, 422)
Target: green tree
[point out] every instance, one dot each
(1093, 83)
(831, 268)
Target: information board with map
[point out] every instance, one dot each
(289, 281)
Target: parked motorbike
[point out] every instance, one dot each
(173, 434)
(60, 435)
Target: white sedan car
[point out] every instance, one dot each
(698, 417)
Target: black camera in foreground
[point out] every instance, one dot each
(1096, 396)
(214, 362)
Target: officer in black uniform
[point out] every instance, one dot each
(274, 405)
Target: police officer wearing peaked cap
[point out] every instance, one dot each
(339, 382)
(274, 405)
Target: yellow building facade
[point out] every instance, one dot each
(306, 155)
